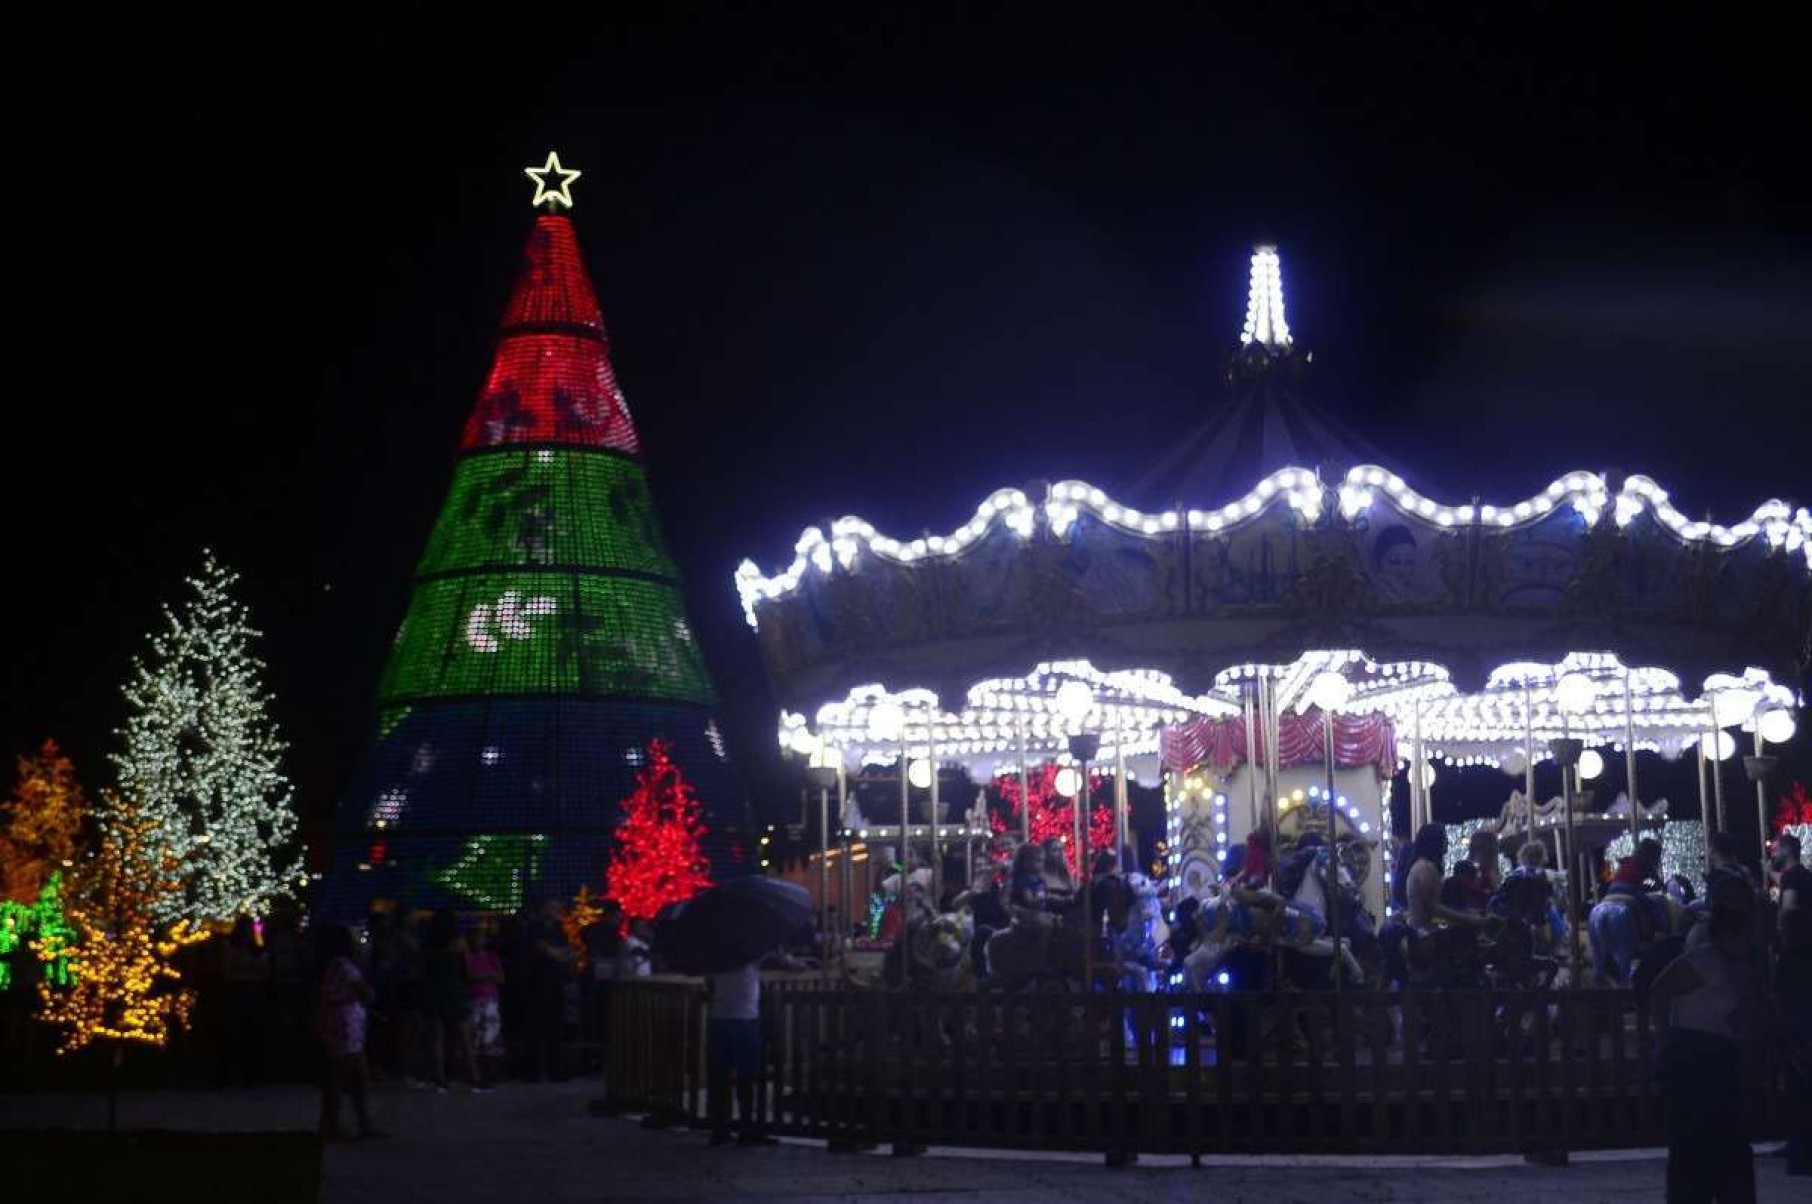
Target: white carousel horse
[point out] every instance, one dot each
(1300, 923)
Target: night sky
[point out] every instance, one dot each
(874, 267)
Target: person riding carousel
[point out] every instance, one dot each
(1250, 883)
(1422, 888)
(1637, 875)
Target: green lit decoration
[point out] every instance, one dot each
(493, 871)
(43, 923)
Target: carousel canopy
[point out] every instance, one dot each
(1465, 616)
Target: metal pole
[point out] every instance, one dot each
(1529, 768)
(937, 848)
(843, 841)
(1025, 788)
(905, 830)
(1717, 775)
(1122, 833)
(1270, 754)
(1761, 804)
(1706, 820)
(1573, 883)
(1327, 727)
(1084, 885)
(1418, 788)
(849, 888)
(1079, 826)
(1629, 758)
(1248, 694)
(1251, 715)
(824, 932)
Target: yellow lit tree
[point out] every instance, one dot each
(43, 824)
(582, 914)
(125, 988)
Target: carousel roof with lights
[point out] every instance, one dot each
(1460, 613)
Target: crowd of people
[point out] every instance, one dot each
(427, 1000)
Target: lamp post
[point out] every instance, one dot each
(1573, 693)
(1629, 753)
(887, 722)
(1073, 702)
(822, 774)
(1566, 751)
(1329, 692)
(1083, 747)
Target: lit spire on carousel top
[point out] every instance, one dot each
(1265, 323)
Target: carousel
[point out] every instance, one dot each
(1277, 660)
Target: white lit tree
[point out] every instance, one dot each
(203, 756)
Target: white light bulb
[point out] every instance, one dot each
(1068, 782)
(919, 773)
(1074, 700)
(1722, 749)
(1515, 764)
(1591, 764)
(1428, 775)
(885, 720)
(1575, 693)
(1329, 691)
(1731, 707)
(1776, 727)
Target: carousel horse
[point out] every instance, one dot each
(936, 952)
(1297, 924)
(1523, 954)
(1045, 942)
(1618, 941)
(1129, 960)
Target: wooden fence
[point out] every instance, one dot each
(1362, 1072)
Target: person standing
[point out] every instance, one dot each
(1708, 999)
(447, 1001)
(1793, 989)
(484, 978)
(550, 959)
(341, 1025)
(246, 975)
(733, 1047)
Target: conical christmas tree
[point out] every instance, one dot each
(546, 644)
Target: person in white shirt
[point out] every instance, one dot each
(733, 1046)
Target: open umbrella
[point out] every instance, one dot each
(733, 924)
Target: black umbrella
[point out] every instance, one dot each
(732, 924)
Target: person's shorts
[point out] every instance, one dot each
(735, 1044)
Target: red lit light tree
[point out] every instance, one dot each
(659, 856)
(1795, 811)
(1053, 814)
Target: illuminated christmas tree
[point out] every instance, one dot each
(1794, 814)
(43, 928)
(546, 641)
(43, 824)
(202, 757)
(1053, 813)
(124, 987)
(659, 857)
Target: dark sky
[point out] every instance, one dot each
(868, 266)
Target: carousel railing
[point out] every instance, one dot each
(1286, 1072)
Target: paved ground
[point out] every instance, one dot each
(536, 1143)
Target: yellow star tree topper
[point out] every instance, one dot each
(125, 988)
(560, 192)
